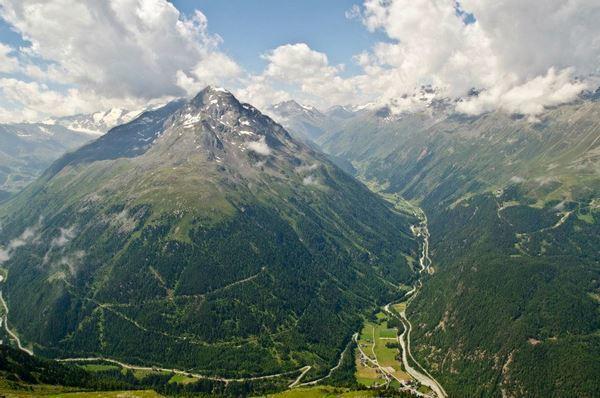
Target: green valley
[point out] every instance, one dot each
(513, 218)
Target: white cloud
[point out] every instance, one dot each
(261, 92)
(530, 98)
(4, 255)
(8, 63)
(66, 235)
(310, 180)
(431, 44)
(307, 168)
(29, 235)
(122, 53)
(354, 12)
(213, 69)
(296, 70)
(529, 37)
(524, 54)
(16, 115)
(119, 51)
(297, 62)
(259, 147)
(37, 101)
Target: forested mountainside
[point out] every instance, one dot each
(21, 372)
(200, 236)
(513, 307)
(26, 376)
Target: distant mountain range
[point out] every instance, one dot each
(308, 123)
(96, 123)
(304, 122)
(27, 149)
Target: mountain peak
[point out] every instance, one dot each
(214, 97)
(293, 107)
(218, 110)
(212, 127)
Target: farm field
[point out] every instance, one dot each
(376, 358)
(323, 392)
(54, 392)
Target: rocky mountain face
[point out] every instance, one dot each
(514, 213)
(202, 236)
(305, 123)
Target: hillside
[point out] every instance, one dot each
(512, 308)
(200, 236)
(26, 150)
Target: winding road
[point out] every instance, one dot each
(303, 370)
(14, 336)
(421, 374)
(5, 322)
(339, 363)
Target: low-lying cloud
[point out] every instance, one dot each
(261, 147)
(29, 235)
(530, 98)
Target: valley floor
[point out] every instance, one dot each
(34, 391)
(383, 355)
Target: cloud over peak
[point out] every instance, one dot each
(523, 54)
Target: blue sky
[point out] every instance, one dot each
(251, 28)
(8, 36)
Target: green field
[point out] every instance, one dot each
(94, 367)
(388, 333)
(326, 392)
(53, 392)
(110, 394)
(399, 307)
(373, 340)
(182, 379)
(140, 374)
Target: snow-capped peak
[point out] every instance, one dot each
(291, 107)
(99, 122)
